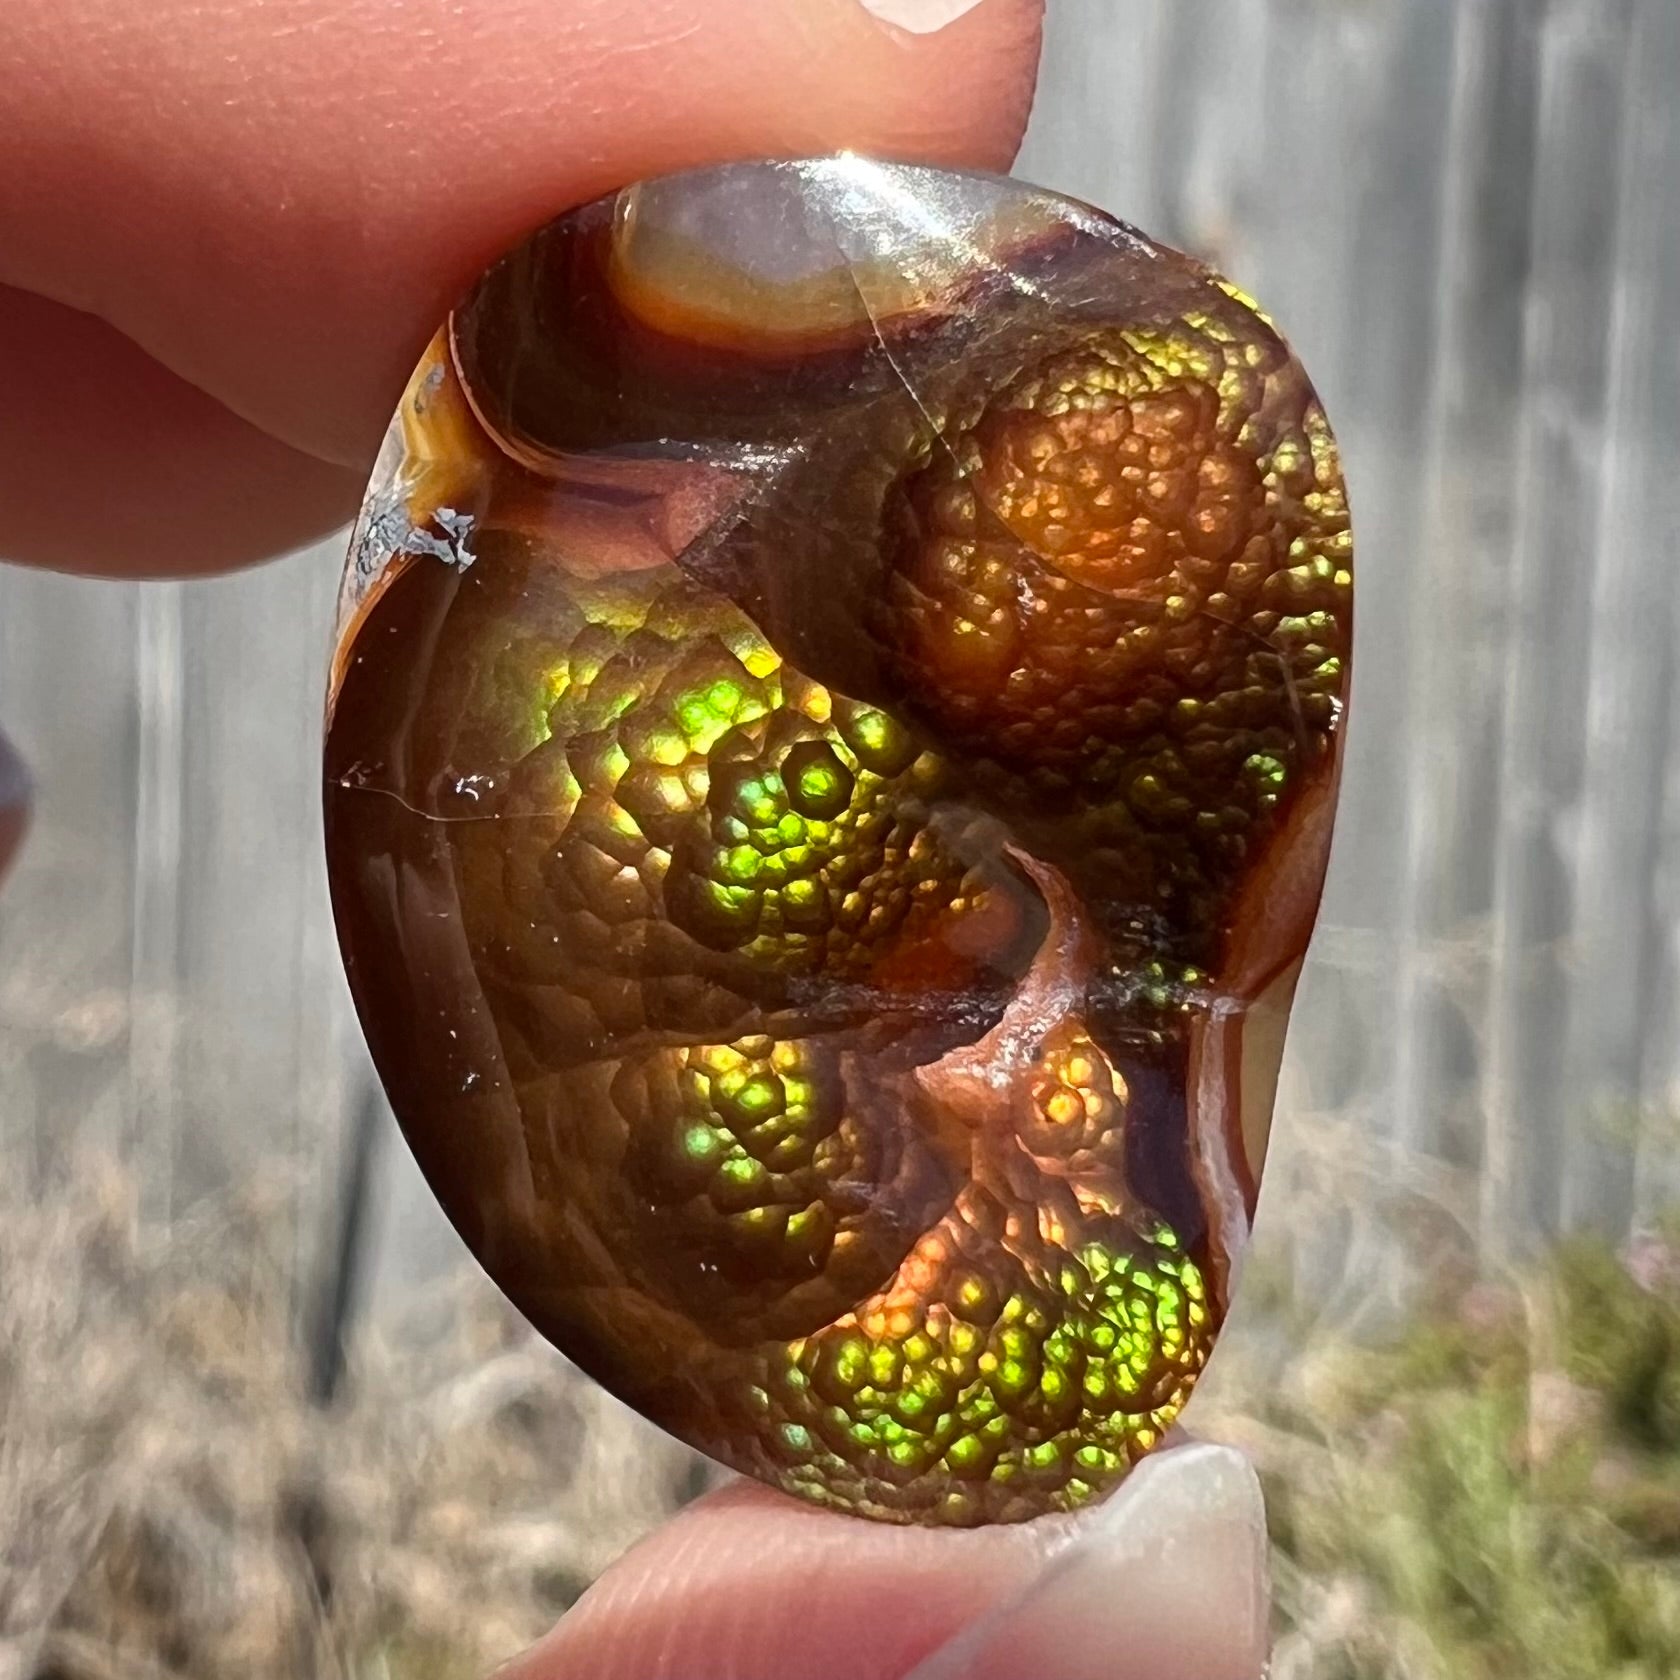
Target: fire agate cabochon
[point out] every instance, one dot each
(829, 775)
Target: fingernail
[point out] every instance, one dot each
(919, 17)
(1167, 1580)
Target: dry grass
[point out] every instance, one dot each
(1490, 1492)
(173, 1505)
(1484, 1484)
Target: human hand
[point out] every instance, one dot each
(231, 226)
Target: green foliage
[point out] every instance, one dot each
(1623, 1341)
(1495, 1495)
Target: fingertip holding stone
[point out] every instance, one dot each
(1112, 1604)
(919, 17)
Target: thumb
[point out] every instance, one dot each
(1170, 1582)
(1164, 1582)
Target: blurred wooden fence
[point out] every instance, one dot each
(1467, 215)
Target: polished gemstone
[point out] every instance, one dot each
(829, 773)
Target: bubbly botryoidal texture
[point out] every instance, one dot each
(829, 771)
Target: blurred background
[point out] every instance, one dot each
(243, 1350)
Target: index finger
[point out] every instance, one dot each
(278, 201)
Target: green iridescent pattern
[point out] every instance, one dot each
(856, 788)
(1041, 1396)
(748, 1144)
